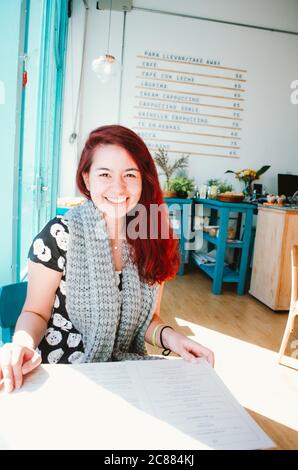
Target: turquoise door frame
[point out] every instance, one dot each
(61, 31)
(50, 105)
(42, 114)
(32, 33)
(12, 34)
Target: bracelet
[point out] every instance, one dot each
(166, 351)
(153, 340)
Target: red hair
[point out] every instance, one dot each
(157, 258)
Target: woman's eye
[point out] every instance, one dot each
(130, 175)
(104, 174)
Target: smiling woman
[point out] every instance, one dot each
(116, 163)
(114, 182)
(95, 285)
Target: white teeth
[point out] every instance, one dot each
(116, 200)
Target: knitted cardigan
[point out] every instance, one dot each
(112, 323)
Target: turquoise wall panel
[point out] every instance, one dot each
(11, 46)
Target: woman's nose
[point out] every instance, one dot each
(118, 185)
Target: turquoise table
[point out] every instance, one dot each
(182, 208)
(219, 272)
(175, 205)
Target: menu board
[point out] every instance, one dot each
(189, 104)
(208, 89)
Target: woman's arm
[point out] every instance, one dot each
(19, 357)
(32, 323)
(185, 347)
(156, 320)
(182, 345)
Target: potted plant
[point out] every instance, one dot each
(162, 160)
(225, 187)
(182, 185)
(213, 182)
(248, 176)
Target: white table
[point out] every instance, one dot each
(126, 405)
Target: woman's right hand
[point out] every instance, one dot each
(15, 361)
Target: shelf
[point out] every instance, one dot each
(234, 206)
(218, 271)
(210, 239)
(235, 244)
(214, 240)
(228, 274)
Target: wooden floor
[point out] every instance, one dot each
(245, 336)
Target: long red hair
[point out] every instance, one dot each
(157, 258)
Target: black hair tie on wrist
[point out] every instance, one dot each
(166, 351)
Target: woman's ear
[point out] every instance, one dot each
(86, 180)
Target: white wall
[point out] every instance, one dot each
(278, 14)
(100, 102)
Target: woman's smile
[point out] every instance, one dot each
(116, 200)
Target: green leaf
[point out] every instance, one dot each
(182, 183)
(224, 186)
(262, 170)
(213, 182)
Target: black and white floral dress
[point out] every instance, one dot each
(62, 343)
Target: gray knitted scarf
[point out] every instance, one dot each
(93, 300)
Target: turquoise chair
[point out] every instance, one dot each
(12, 299)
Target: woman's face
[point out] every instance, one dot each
(114, 181)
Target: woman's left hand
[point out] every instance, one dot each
(185, 347)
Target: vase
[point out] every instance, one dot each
(247, 191)
(212, 191)
(182, 194)
(168, 194)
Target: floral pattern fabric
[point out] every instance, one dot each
(62, 343)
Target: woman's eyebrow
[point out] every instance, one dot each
(108, 169)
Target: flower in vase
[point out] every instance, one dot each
(248, 176)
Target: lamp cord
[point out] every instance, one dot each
(74, 135)
(109, 27)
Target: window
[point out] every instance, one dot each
(43, 62)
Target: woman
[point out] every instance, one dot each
(95, 276)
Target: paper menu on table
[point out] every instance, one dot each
(196, 401)
(158, 404)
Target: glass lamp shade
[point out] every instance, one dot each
(106, 67)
